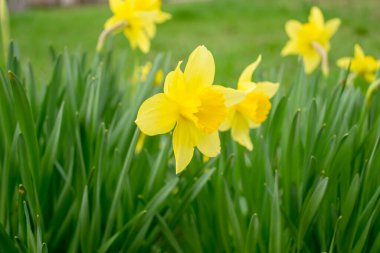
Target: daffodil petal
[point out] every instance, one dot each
(118, 6)
(185, 137)
(332, 26)
(150, 29)
(157, 115)
(246, 75)
(231, 96)
(143, 42)
(200, 69)
(373, 63)
(137, 38)
(247, 87)
(292, 28)
(268, 88)
(226, 125)
(291, 47)
(162, 17)
(209, 144)
(359, 51)
(369, 77)
(132, 37)
(344, 62)
(174, 86)
(111, 22)
(311, 62)
(240, 131)
(316, 17)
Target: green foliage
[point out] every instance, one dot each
(247, 28)
(72, 182)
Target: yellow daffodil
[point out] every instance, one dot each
(253, 110)
(361, 64)
(136, 19)
(144, 72)
(311, 40)
(192, 106)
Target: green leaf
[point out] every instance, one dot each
(169, 234)
(275, 220)
(310, 208)
(192, 193)
(119, 186)
(26, 122)
(6, 244)
(349, 202)
(252, 235)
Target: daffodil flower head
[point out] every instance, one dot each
(311, 40)
(137, 19)
(251, 111)
(144, 72)
(192, 106)
(360, 65)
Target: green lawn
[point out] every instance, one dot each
(235, 31)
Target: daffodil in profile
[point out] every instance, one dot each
(311, 40)
(137, 19)
(192, 106)
(360, 65)
(253, 110)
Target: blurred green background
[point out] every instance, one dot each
(236, 31)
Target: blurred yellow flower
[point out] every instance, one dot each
(144, 72)
(136, 19)
(140, 143)
(361, 64)
(190, 104)
(311, 40)
(253, 110)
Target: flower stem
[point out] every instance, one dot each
(103, 36)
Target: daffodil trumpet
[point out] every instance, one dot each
(120, 25)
